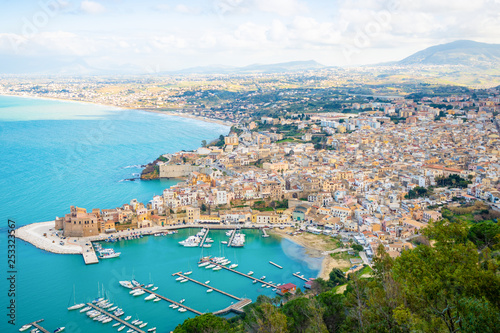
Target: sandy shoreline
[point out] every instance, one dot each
(168, 113)
(315, 248)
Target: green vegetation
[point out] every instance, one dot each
(449, 286)
(418, 192)
(453, 181)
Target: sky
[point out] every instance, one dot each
(154, 36)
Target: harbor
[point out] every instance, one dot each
(243, 274)
(180, 305)
(121, 321)
(207, 286)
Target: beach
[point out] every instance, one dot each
(316, 246)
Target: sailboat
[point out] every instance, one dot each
(75, 306)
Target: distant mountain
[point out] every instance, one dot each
(460, 52)
(292, 66)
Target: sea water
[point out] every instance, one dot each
(56, 154)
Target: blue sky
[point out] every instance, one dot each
(167, 35)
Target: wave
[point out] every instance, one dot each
(137, 166)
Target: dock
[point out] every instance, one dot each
(121, 321)
(274, 264)
(204, 237)
(231, 238)
(243, 274)
(237, 307)
(170, 301)
(300, 277)
(35, 324)
(90, 257)
(264, 233)
(207, 286)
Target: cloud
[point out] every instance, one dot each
(92, 7)
(183, 9)
(281, 7)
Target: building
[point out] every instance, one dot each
(79, 223)
(286, 288)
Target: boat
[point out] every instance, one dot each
(35, 330)
(126, 284)
(224, 242)
(138, 293)
(152, 329)
(175, 306)
(171, 305)
(148, 286)
(218, 268)
(116, 324)
(107, 320)
(254, 281)
(209, 290)
(113, 308)
(133, 322)
(157, 299)
(85, 309)
(203, 264)
(76, 306)
(182, 300)
(108, 254)
(250, 273)
(138, 323)
(154, 288)
(188, 273)
(59, 329)
(263, 286)
(207, 245)
(24, 327)
(210, 266)
(268, 286)
(150, 297)
(143, 325)
(135, 283)
(130, 331)
(233, 266)
(262, 277)
(184, 280)
(225, 262)
(207, 282)
(121, 328)
(128, 318)
(179, 278)
(191, 241)
(182, 310)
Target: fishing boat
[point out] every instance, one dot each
(108, 254)
(128, 318)
(59, 329)
(250, 273)
(24, 327)
(154, 288)
(149, 297)
(209, 290)
(188, 273)
(218, 268)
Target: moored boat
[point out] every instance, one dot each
(24, 327)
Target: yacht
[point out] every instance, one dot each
(128, 318)
(116, 324)
(143, 325)
(152, 329)
(154, 288)
(182, 310)
(139, 293)
(191, 241)
(203, 264)
(59, 329)
(126, 284)
(233, 266)
(135, 283)
(209, 290)
(148, 286)
(121, 328)
(210, 266)
(85, 309)
(149, 297)
(250, 273)
(218, 268)
(24, 327)
(108, 254)
(76, 306)
(188, 273)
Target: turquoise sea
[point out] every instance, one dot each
(55, 154)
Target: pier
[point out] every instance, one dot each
(170, 301)
(237, 307)
(204, 237)
(207, 286)
(300, 277)
(35, 323)
(274, 264)
(90, 257)
(243, 274)
(231, 238)
(264, 233)
(135, 328)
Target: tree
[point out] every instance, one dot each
(266, 318)
(206, 323)
(304, 315)
(203, 143)
(357, 247)
(337, 277)
(485, 234)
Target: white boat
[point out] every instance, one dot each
(175, 306)
(138, 323)
(76, 306)
(85, 309)
(207, 282)
(116, 324)
(250, 273)
(268, 286)
(203, 264)
(152, 329)
(143, 325)
(209, 290)
(225, 262)
(126, 284)
(182, 310)
(59, 329)
(224, 242)
(121, 328)
(107, 320)
(184, 280)
(182, 300)
(135, 283)
(108, 254)
(148, 286)
(133, 322)
(254, 281)
(157, 299)
(263, 286)
(179, 278)
(113, 308)
(128, 318)
(138, 293)
(262, 277)
(209, 240)
(210, 266)
(188, 273)
(218, 268)
(154, 288)
(233, 266)
(171, 305)
(191, 241)
(149, 297)
(24, 327)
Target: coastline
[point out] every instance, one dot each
(314, 249)
(168, 113)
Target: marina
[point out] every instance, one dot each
(170, 301)
(204, 237)
(207, 286)
(135, 328)
(243, 274)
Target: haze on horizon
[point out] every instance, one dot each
(169, 35)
